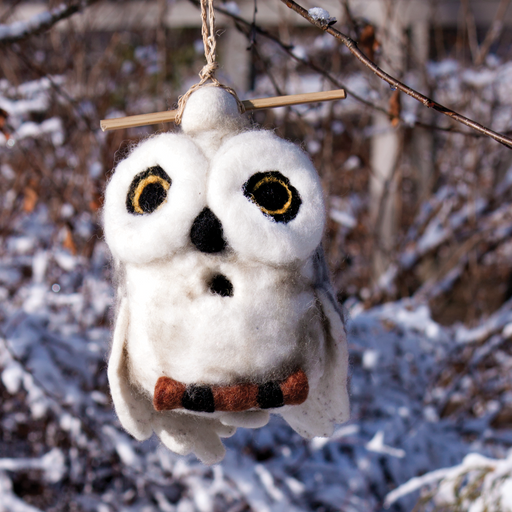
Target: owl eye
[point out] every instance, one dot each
(148, 191)
(274, 195)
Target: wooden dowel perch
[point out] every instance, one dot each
(256, 104)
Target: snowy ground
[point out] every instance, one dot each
(63, 449)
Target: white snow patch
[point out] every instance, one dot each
(123, 447)
(65, 260)
(443, 68)
(417, 318)
(409, 118)
(321, 15)
(313, 146)
(495, 495)
(343, 218)
(352, 162)
(370, 359)
(268, 482)
(507, 331)
(52, 464)
(479, 78)
(377, 445)
(10, 502)
(39, 266)
(300, 52)
(12, 377)
(232, 8)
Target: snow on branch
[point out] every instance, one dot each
(20, 30)
(475, 471)
(323, 17)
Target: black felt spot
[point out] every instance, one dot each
(152, 195)
(270, 395)
(272, 195)
(221, 285)
(271, 192)
(198, 398)
(206, 233)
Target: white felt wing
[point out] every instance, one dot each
(328, 401)
(133, 409)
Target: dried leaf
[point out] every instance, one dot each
(96, 202)
(395, 108)
(3, 123)
(367, 41)
(68, 242)
(30, 198)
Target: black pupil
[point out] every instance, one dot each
(271, 195)
(148, 191)
(275, 196)
(152, 197)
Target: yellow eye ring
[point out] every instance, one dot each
(142, 185)
(273, 179)
(148, 191)
(274, 195)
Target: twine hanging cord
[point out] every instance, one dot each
(208, 71)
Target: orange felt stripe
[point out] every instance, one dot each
(235, 398)
(168, 394)
(295, 388)
(241, 397)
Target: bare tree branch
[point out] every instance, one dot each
(494, 32)
(41, 22)
(470, 22)
(393, 82)
(81, 117)
(8, 12)
(240, 23)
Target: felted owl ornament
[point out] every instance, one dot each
(225, 312)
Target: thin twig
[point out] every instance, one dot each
(90, 124)
(41, 22)
(348, 14)
(9, 11)
(257, 54)
(289, 50)
(393, 82)
(469, 20)
(494, 32)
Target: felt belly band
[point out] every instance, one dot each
(171, 394)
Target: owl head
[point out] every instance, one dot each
(218, 187)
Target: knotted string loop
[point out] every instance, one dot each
(208, 72)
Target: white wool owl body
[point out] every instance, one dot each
(224, 311)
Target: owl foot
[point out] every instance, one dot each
(184, 434)
(247, 419)
(171, 394)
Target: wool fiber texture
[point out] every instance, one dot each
(222, 288)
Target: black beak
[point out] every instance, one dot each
(206, 233)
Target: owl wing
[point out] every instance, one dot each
(328, 401)
(133, 409)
